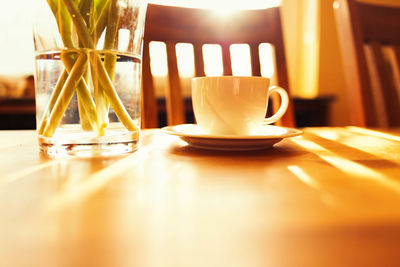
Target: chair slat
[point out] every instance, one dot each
(387, 88)
(148, 101)
(187, 25)
(375, 64)
(198, 60)
(255, 59)
(226, 59)
(282, 73)
(174, 100)
(379, 23)
(395, 62)
(355, 73)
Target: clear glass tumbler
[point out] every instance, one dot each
(88, 75)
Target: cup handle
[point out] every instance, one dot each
(284, 104)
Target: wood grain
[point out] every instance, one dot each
(327, 198)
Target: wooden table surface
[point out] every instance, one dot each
(330, 197)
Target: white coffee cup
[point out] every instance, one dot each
(232, 105)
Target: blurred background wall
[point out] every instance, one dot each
(313, 54)
(315, 63)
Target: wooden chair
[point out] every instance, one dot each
(369, 36)
(173, 25)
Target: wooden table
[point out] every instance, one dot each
(330, 197)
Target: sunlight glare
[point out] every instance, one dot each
(221, 4)
(212, 60)
(158, 58)
(123, 39)
(303, 176)
(185, 59)
(326, 133)
(240, 58)
(374, 133)
(223, 8)
(351, 168)
(266, 53)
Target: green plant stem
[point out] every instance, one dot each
(109, 62)
(77, 69)
(66, 95)
(112, 95)
(86, 123)
(100, 5)
(52, 101)
(100, 99)
(112, 25)
(98, 90)
(97, 28)
(64, 22)
(105, 81)
(85, 102)
(88, 106)
(80, 24)
(85, 7)
(64, 26)
(83, 93)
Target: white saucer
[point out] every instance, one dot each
(266, 137)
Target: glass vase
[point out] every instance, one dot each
(88, 76)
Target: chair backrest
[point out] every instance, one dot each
(173, 25)
(369, 36)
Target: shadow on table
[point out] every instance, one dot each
(279, 150)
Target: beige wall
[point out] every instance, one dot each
(301, 34)
(331, 76)
(292, 23)
(319, 60)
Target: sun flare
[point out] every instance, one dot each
(222, 6)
